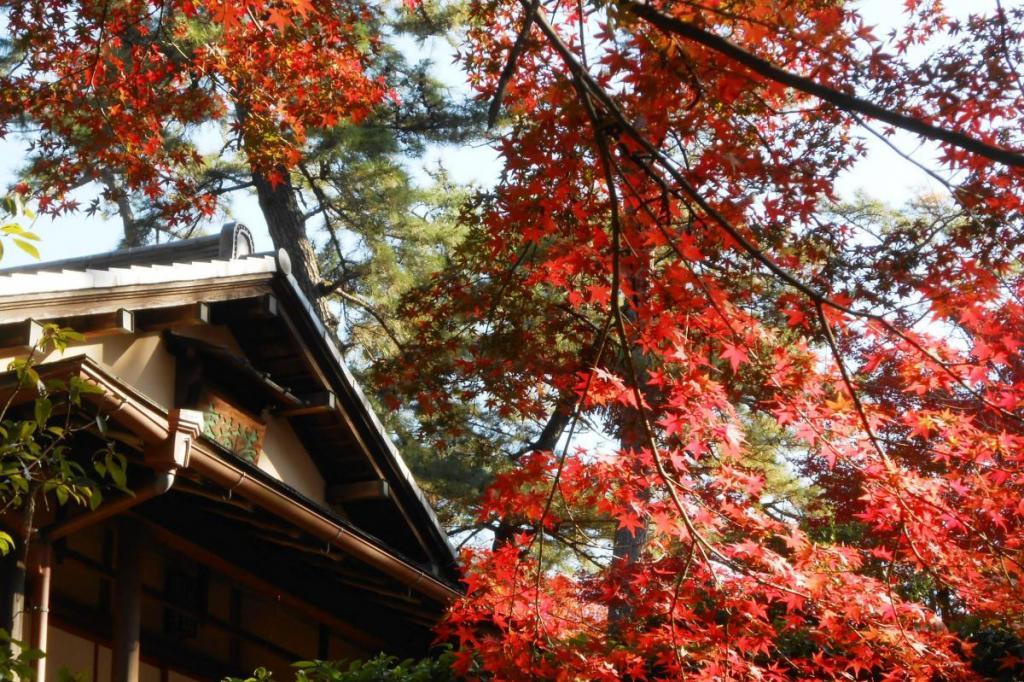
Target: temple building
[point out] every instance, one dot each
(272, 520)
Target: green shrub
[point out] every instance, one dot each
(379, 669)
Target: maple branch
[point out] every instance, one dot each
(670, 239)
(707, 550)
(555, 484)
(687, 188)
(1004, 46)
(906, 157)
(675, 600)
(476, 531)
(834, 347)
(844, 101)
(616, 287)
(510, 65)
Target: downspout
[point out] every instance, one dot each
(160, 483)
(167, 457)
(42, 606)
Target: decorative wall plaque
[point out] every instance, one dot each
(233, 429)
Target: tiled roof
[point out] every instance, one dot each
(47, 277)
(233, 241)
(225, 255)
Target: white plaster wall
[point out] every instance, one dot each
(68, 651)
(142, 361)
(139, 359)
(284, 458)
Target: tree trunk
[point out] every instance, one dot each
(288, 231)
(626, 545)
(547, 440)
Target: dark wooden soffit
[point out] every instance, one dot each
(363, 422)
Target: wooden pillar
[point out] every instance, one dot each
(127, 603)
(323, 647)
(235, 618)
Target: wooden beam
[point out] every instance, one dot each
(363, 491)
(20, 337)
(233, 631)
(174, 316)
(259, 308)
(185, 486)
(94, 624)
(388, 597)
(52, 304)
(119, 321)
(313, 362)
(235, 619)
(251, 520)
(232, 627)
(314, 403)
(323, 646)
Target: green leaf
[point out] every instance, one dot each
(83, 386)
(32, 377)
(43, 409)
(6, 543)
(28, 248)
(25, 430)
(17, 230)
(116, 469)
(69, 335)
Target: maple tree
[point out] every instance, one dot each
(170, 109)
(117, 91)
(665, 251)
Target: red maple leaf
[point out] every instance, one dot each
(735, 355)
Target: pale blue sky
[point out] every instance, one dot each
(882, 174)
